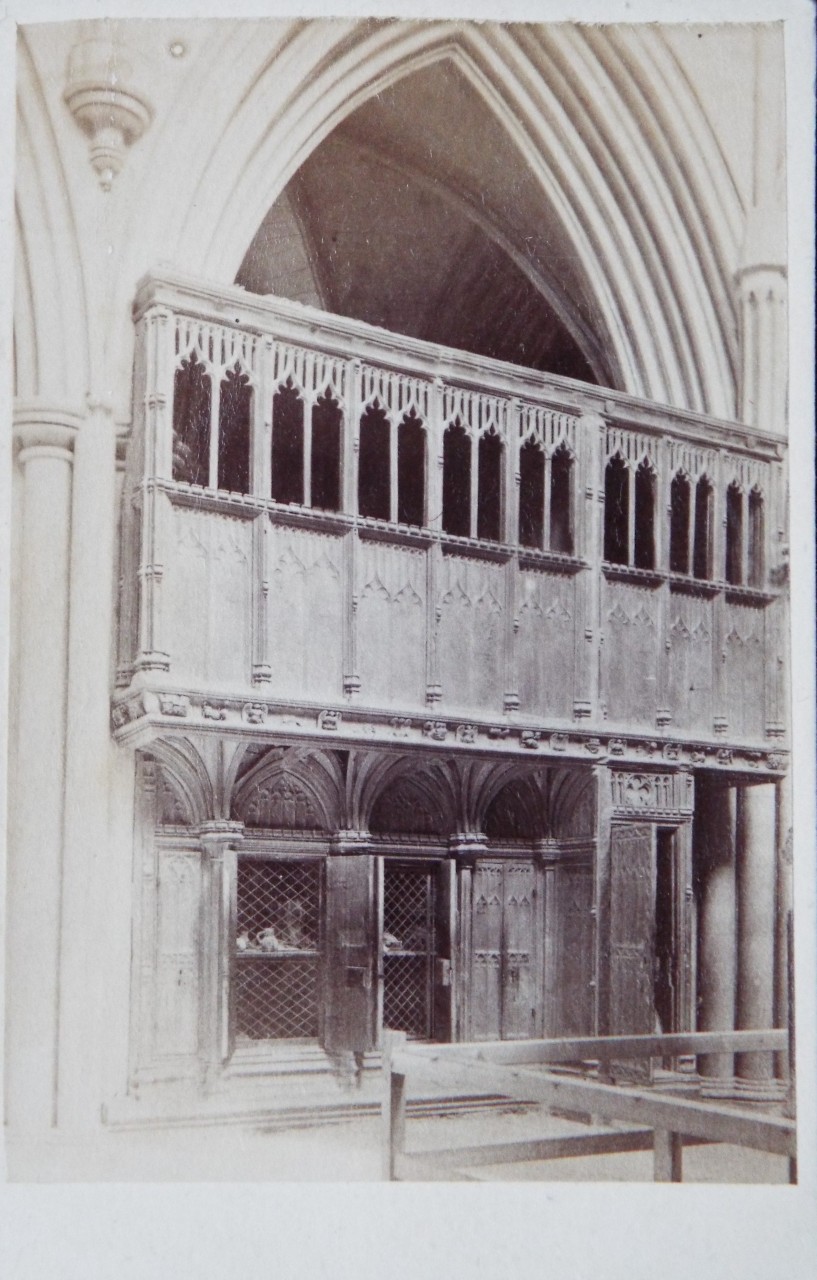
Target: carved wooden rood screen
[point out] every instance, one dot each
(444, 677)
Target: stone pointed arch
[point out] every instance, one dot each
(50, 311)
(648, 312)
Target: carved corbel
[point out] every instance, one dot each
(105, 104)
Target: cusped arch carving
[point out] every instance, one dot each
(572, 804)
(187, 773)
(172, 805)
(402, 796)
(519, 810)
(290, 789)
(410, 805)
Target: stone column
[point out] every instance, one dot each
(714, 848)
(761, 285)
(756, 874)
(782, 1010)
(34, 868)
(87, 920)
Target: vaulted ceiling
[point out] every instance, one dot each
(418, 214)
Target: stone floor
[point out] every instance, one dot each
(349, 1151)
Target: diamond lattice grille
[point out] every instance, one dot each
(409, 947)
(275, 986)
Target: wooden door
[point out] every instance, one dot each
(519, 951)
(446, 933)
(350, 1022)
(505, 988)
(632, 939)
(485, 995)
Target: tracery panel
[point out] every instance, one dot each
(391, 621)
(306, 611)
(471, 632)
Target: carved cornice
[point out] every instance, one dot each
(139, 715)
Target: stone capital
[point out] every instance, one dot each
(219, 834)
(41, 424)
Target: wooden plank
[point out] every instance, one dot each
(593, 1143)
(434, 1164)
(667, 1156)
(601, 1048)
(610, 1102)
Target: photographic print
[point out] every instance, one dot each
(400, 770)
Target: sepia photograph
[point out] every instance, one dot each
(400, 776)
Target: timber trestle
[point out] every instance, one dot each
(520, 1071)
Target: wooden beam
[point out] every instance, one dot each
(602, 1048)
(610, 1102)
(667, 1156)
(394, 1105)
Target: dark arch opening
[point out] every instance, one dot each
(457, 480)
(234, 416)
(191, 422)
(489, 487)
(704, 525)
(734, 535)
(374, 464)
(616, 511)
(325, 462)
(378, 224)
(411, 471)
(561, 501)
(680, 514)
(644, 548)
(757, 567)
(287, 445)
(531, 494)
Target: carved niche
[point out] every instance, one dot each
(406, 807)
(281, 803)
(171, 809)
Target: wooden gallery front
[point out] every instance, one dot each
(455, 696)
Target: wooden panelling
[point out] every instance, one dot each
(486, 952)
(391, 622)
(632, 942)
(178, 906)
(689, 663)
(506, 969)
(630, 652)
(546, 610)
(207, 597)
(744, 660)
(572, 974)
(305, 613)
(471, 633)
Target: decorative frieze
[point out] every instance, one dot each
(142, 715)
(651, 794)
